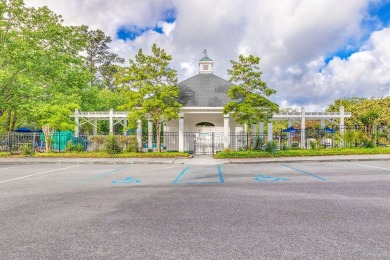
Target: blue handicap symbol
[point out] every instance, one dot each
(269, 178)
(126, 181)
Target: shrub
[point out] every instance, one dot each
(70, 147)
(79, 147)
(97, 141)
(271, 147)
(111, 145)
(27, 150)
(258, 144)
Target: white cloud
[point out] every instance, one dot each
(292, 37)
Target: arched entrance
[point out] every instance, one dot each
(204, 142)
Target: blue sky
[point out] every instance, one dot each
(312, 52)
(131, 32)
(378, 17)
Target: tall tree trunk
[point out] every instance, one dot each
(14, 121)
(8, 123)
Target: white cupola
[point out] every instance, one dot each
(205, 64)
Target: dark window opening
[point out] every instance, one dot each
(204, 124)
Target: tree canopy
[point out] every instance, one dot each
(40, 59)
(151, 89)
(249, 104)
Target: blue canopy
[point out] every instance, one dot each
(23, 130)
(290, 130)
(26, 130)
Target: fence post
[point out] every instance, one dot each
(9, 142)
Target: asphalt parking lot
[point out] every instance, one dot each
(301, 210)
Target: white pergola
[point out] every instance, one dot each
(302, 116)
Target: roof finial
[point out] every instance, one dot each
(205, 52)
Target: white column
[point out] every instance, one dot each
(150, 134)
(269, 132)
(181, 132)
(322, 123)
(77, 121)
(261, 129)
(139, 134)
(289, 124)
(95, 122)
(111, 121)
(341, 119)
(164, 133)
(124, 126)
(226, 130)
(303, 127)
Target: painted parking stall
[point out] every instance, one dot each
(196, 174)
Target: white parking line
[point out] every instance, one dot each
(35, 174)
(386, 169)
(7, 168)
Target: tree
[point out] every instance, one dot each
(100, 61)
(364, 111)
(151, 89)
(40, 60)
(249, 104)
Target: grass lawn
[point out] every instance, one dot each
(302, 152)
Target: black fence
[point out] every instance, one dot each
(203, 143)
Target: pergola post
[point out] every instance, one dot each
(261, 129)
(110, 115)
(181, 132)
(269, 132)
(124, 126)
(303, 128)
(77, 121)
(323, 123)
(95, 121)
(341, 119)
(150, 134)
(226, 137)
(139, 134)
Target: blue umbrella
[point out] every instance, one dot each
(290, 130)
(329, 130)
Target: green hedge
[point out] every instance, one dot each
(287, 153)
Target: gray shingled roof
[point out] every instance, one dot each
(204, 90)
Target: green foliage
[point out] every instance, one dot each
(151, 89)
(271, 147)
(249, 104)
(106, 155)
(366, 113)
(302, 152)
(27, 150)
(41, 62)
(99, 60)
(259, 143)
(111, 145)
(70, 147)
(79, 147)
